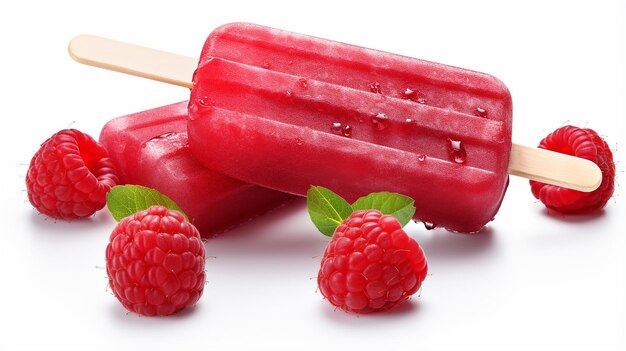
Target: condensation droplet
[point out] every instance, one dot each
(408, 94)
(336, 128)
(457, 151)
(204, 101)
(429, 225)
(480, 112)
(380, 121)
(290, 62)
(421, 157)
(303, 83)
(421, 100)
(375, 88)
(340, 129)
(408, 121)
(299, 141)
(346, 131)
(288, 93)
(266, 65)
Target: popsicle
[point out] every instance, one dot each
(286, 111)
(150, 149)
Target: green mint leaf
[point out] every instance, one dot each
(125, 200)
(400, 206)
(326, 209)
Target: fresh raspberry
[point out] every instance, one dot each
(155, 262)
(370, 264)
(587, 144)
(69, 176)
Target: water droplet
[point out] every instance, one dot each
(204, 101)
(480, 112)
(346, 131)
(380, 121)
(429, 225)
(303, 83)
(421, 157)
(290, 62)
(266, 65)
(408, 94)
(336, 128)
(299, 141)
(457, 151)
(408, 121)
(340, 129)
(375, 88)
(413, 95)
(288, 93)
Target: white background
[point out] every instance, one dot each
(531, 281)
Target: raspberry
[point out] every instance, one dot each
(69, 176)
(155, 262)
(587, 144)
(370, 264)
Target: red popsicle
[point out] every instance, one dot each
(150, 148)
(286, 111)
(352, 119)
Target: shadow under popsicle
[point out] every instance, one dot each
(279, 234)
(439, 244)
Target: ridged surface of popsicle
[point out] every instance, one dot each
(150, 148)
(287, 111)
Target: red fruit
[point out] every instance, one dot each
(69, 176)
(155, 262)
(370, 264)
(587, 144)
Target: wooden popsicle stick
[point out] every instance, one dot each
(133, 59)
(554, 168)
(528, 162)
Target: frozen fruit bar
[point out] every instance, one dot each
(285, 111)
(150, 149)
